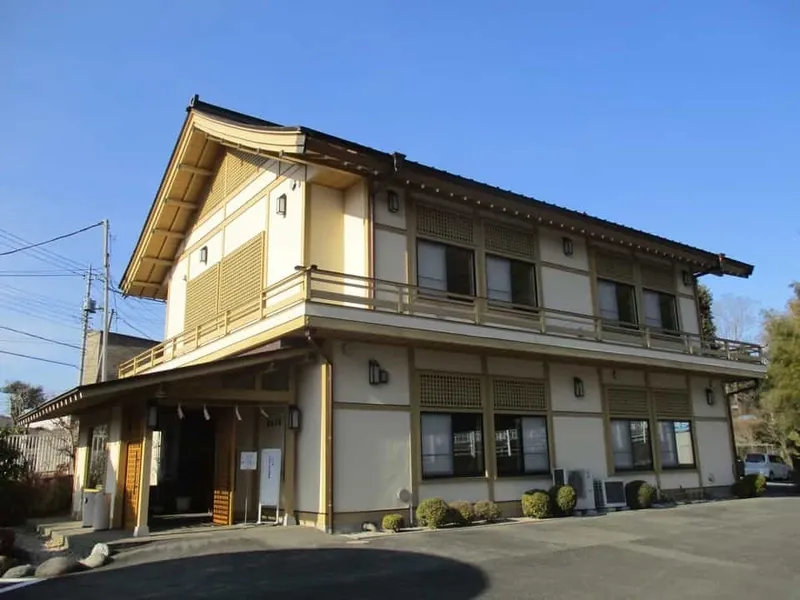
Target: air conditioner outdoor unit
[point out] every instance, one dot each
(614, 493)
(583, 483)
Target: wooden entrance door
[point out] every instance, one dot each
(134, 421)
(224, 450)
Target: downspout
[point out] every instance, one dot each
(328, 491)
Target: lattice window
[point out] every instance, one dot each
(509, 240)
(201, 298)
(672, 404)
(242, 277)
(658, 277)
(233, 169)
(627, 401)
(445, 225)
(519, 394)
(449, 390)
(614, 267)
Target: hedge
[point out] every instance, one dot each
(537, 504)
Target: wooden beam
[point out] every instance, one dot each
(146, 284)
(164, 262)
(180, 203)
(170, 234)
(194, 170)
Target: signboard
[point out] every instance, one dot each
(270, 484)
(248, 461)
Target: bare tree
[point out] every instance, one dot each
(738, 318)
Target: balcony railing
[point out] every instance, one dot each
(351, 291)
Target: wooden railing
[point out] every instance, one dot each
(353, 291)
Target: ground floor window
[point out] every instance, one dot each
(452, 445)
(676, 447)
(521, 445)
(630, 440)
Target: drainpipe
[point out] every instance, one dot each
(328, 426)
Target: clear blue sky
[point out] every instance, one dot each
(681, 120)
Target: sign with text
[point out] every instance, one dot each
(248, 461)
(270, 484)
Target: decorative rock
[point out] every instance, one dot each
(367, 526)
(94, 560)
(59, 565)
(101, 549)
(6, 562)
(7, 537)
(20, 571)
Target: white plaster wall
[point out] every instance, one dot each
(623, 377)
(285, 233)
(254, 187)
(113, 449)
(571, 292)
(716, 460)
(309, 450)
(355, 234)
(350, 374)
(682, 289)
(390, 260)
(672, 480)
(514, 367)
(551, 249)
(176, 300)
(435, 360)
(452, 490)
(214, 245)
(667, 381)
(81, 466)
(506, 490)
(245, 226)
(203, 229)
(699, 403)
(688, 315)
(382, 215)
(580, 444)
(371, 459)
(562, 388)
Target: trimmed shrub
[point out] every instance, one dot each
(433, 513)
(537, 504)
(639, 494)
(461, 513)
(564, 498)
(750, 486)
(393, 522)
(486, 510)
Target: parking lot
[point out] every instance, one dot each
(731, 549)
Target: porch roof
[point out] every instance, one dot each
(86, 396)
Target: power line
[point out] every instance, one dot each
(47, 360)
(37, 274)
(58, 321)
(43, 254)
(136, 329)
(51, 240)
(39, 337)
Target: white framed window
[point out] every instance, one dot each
(617, 301)
(660, 310)
(521, 445)
(452, 444)
(630, 442)
(675, 443)
(510, 281)
(445, 268)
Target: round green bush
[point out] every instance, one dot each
(486, 510)
(461, 513)
(564, 498)
(759, 483)
(393, 522)
(433, 513)
(639, 494)
(536, 504)
(750, 486)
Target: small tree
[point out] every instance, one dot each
(12, 464)
(705, 299)
(22, 397)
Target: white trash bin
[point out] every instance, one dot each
(89, 501)
(102, 512)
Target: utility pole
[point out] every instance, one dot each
(87, 309)
(106, 308)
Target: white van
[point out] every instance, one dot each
(770, 466)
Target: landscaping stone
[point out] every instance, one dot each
(59, 565)
(101, 549)
(371, 527)
(19, 571)
(94, 560)
(7, 537)
(6, 562)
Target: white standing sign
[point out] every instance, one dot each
(270, 482)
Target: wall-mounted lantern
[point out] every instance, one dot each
(687, 278)
(392, 201)
(204, 255)
(710, 396)
(152, 415)
(293, 418)
(376, 374)
(578, 387)
(280, 205)
(568, 246)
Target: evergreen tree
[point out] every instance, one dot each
(708, 329)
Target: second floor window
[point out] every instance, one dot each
(660, 311)
(445, 268)
(511, 281)
(617, 302)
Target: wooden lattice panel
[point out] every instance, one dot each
(240, 167)
(672, 404)
(659, 278)
(509, 240)
(215, 192)
(242, 274)
(627, 401)
(201, 298)
(449, 390)
(450, 226)
(614, 267)
(529, 395)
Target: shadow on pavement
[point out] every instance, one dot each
(304, 573)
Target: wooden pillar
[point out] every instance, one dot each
(289, 478)
(326, 446)
(141, 528)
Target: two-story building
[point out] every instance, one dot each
(398, 332)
